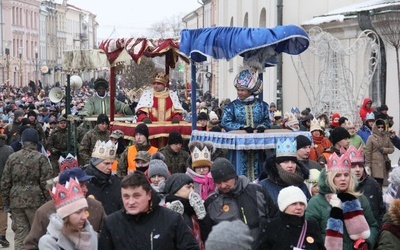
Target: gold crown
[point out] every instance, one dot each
(161, 78)
(201, 158)
(104, 150)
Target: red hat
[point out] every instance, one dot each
(335, 120)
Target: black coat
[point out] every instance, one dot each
(105, 188)
(161, 228)
(284, 232)
(372, 190)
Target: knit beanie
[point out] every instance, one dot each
(228, 235)
(157, 167)
(175, 138)
(213, 115)
(202, 116)
(342, 120)
(222, 170)
(175, 182)
(142, 129)
(302, 141)
(333, 122)
(102, 118)
(290, 195)
(18, 113)
(338, 134)
(31, 135)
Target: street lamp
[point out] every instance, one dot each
(20, 66)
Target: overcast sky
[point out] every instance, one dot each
(132, 17)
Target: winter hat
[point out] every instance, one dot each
(335, 120)
(248, 79)
(384, 107)
(31, 135)
(143, 155)
(68, 198)
(3, 138)
(175, 182)
(228, 235)
(222, 170)
(103, 118)
(338, 134)
(142, 129)
(302, 141)
(213, 115)
(315, 125)
(202, 116)
(342, 120)
(290, 195)
(116, 134)
(272, 105)
(175, 138)
(18, 113)
(286, 150)
(157, 167)
(62, 119)
(100, 82)
(25, 121)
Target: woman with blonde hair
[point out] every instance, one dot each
(344, 215)
(68, 228)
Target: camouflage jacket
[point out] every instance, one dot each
(23, 184)
(89, 140)
(39, 128)
(5, 152)
(57, 141)
(176, 162)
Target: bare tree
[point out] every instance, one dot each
(169, 27)
(159, 29)
(138, 75)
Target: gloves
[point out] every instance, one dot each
(381, 150)
(335, 201)
(260, 129)
(175, 120)
(368, 170)
(197, 203)
(346, 197)
(147, 120)
(176, 206)
(248, 129)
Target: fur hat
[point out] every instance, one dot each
(175, 138)
(175, 182)
(203, 116)
(338, 134)
(102, 118)
(290, 195)
(100, 82)
(142, 129)
(30, 135)
(228, 235)
(222, 170)
(302, 141)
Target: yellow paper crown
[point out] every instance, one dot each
(315, 125)
(201, 158)
(104, 150)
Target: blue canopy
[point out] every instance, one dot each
(227, 42)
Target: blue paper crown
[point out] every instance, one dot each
(286, 147)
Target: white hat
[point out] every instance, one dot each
(213, 115)
(290, 195)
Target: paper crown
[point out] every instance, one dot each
(292, 120)
(286, 147)
(201, 158)
(161, 78)
(322, 123)
(315, 125)
(356, 155)
(104, 150)
(295, 110)
(67, 163)
(277, 113)
(370, 116)
(339, 163)
(69, 198)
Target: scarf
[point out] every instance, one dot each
(81, 240)
(287, 178)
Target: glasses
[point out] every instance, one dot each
(381, 126)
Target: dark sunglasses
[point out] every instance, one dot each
(381, 126)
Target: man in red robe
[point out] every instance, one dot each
(159, 104)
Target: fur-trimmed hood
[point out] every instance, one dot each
(394, 212)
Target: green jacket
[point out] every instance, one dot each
(96, 105)
(319, 209)
(23, 184)
(390, 235)
(356, 141)
(176, 162)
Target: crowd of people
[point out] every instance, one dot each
(321, 191)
